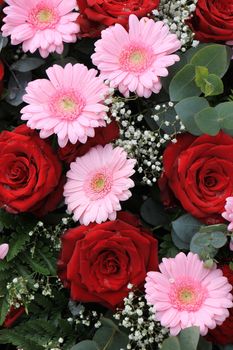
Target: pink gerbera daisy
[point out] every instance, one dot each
(41, 24)
(70, 104)
(228, 213)
(187, 294)
(97, 182)
(135, 60)
(4, 248)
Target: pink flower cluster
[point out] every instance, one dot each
(134, 61)
(41, 24)
(186, 294)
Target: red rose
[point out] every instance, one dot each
(223, 334)
(30, 173)
(198, 170)
(96, 15)
(13, 316)
(212, 20)
(103, 136)
(98, 261)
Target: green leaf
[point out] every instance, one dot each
(183, 84)
(4, 307)
(153, 213)
(210, 84)
(171, 343)
(86, 345)
(27, 64)
(201, 73)
(175, 68)
(109, 336)
(167, 248)
(207, 121)
(214, 85)
(201, 245)
(225, 116)
(16, 87)
(184, 229)
(16, 245)
(204, 344)
(187, 108)
(215, 57)
(218, 239)
(187, 339)
(36, 266)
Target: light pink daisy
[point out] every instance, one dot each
(228, 213)
(97, 182)
(231, 244)
(187, 294)
(4, 248)
(69, 104)
(135, 60)
(41, 24)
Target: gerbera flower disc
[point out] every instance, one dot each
(135, 60)
(41, 24)
(69, 104)
(187, 294)
(97, 182)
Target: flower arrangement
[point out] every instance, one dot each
(116, 175)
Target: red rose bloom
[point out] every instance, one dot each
(103, 136)
(212, 20)
(30, 173)
(96, 15)
(98, 261)
(198, 171)
(13, 316)
(223, 334)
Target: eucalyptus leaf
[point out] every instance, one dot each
(201, 245)
(85, 345)
(16, 87)
(201, 73)
(109, 337)
(179, 243)
(213, 85)
(154, 213)
(183, 84)
(215, 57)
(27, 64)
(175, 68)
(204, 344)
(171, 343)
(218, 239)
(207, 121)
(187, 339)
(186, 110)
(184, 229)
(225, 115)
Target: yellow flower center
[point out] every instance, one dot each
(136, 57)
(45, 16)
(186, 296)
(68, 104)
(98, 183)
